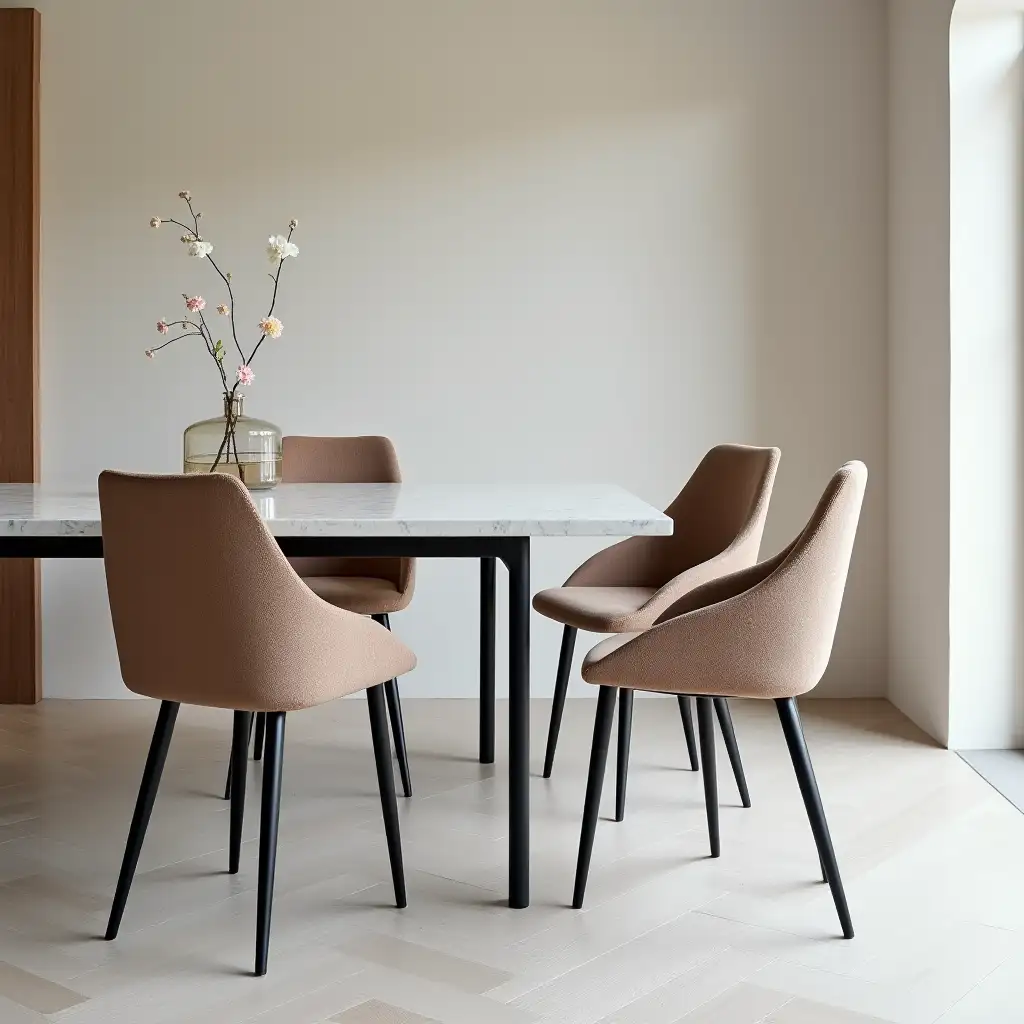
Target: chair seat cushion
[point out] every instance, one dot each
(597, 609)
(366, 595)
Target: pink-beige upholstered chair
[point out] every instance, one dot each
(222, 620)
(370, 586)
(718, 521)
(766, 633)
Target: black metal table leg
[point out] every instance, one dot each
(487, 588)
(518, 562)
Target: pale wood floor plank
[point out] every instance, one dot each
(931, 856)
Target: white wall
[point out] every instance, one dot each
(582, 240)
(986, 702)
(919, 372)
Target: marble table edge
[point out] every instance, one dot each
(576, 527)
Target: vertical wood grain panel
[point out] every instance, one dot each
(20, 649)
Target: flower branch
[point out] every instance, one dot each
(279, 248)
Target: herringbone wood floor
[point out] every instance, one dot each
(932, 859)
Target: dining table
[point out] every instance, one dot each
(487, 521)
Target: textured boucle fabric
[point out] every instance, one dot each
(206, 610)
(766, 631)
(718, 521)
(350, 460)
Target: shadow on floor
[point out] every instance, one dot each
(1003, 770)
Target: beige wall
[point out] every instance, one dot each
(919, 374)
(575, 240)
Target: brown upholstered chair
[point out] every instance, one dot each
(765, 632)
(718, 520)
(370, 586)
(220, 619)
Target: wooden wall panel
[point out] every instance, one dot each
(20, 653)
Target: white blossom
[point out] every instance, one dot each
(198, 248)
(279, 248)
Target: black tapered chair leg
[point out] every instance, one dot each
(706, 729)
(789, 716)
(558, 704)
(691, 742)
(394, 702)
(227, 780)
(595, 783)
(270, 813)
(238, 770)
(143, 809)
(729, 735)
(622, 758)
(386, 783)
(261, 728)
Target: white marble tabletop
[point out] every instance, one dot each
(378, 510)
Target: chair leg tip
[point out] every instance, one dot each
(577, 902)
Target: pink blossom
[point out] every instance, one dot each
(162, 326)
(195, 304)
(245, 375)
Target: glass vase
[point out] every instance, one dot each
(237, 444)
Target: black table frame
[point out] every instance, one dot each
(514, 551)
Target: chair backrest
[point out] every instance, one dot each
(805, 591)
(346, 460)
(765, 631)
(725, 501)
(206, 610)
(721, 507)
